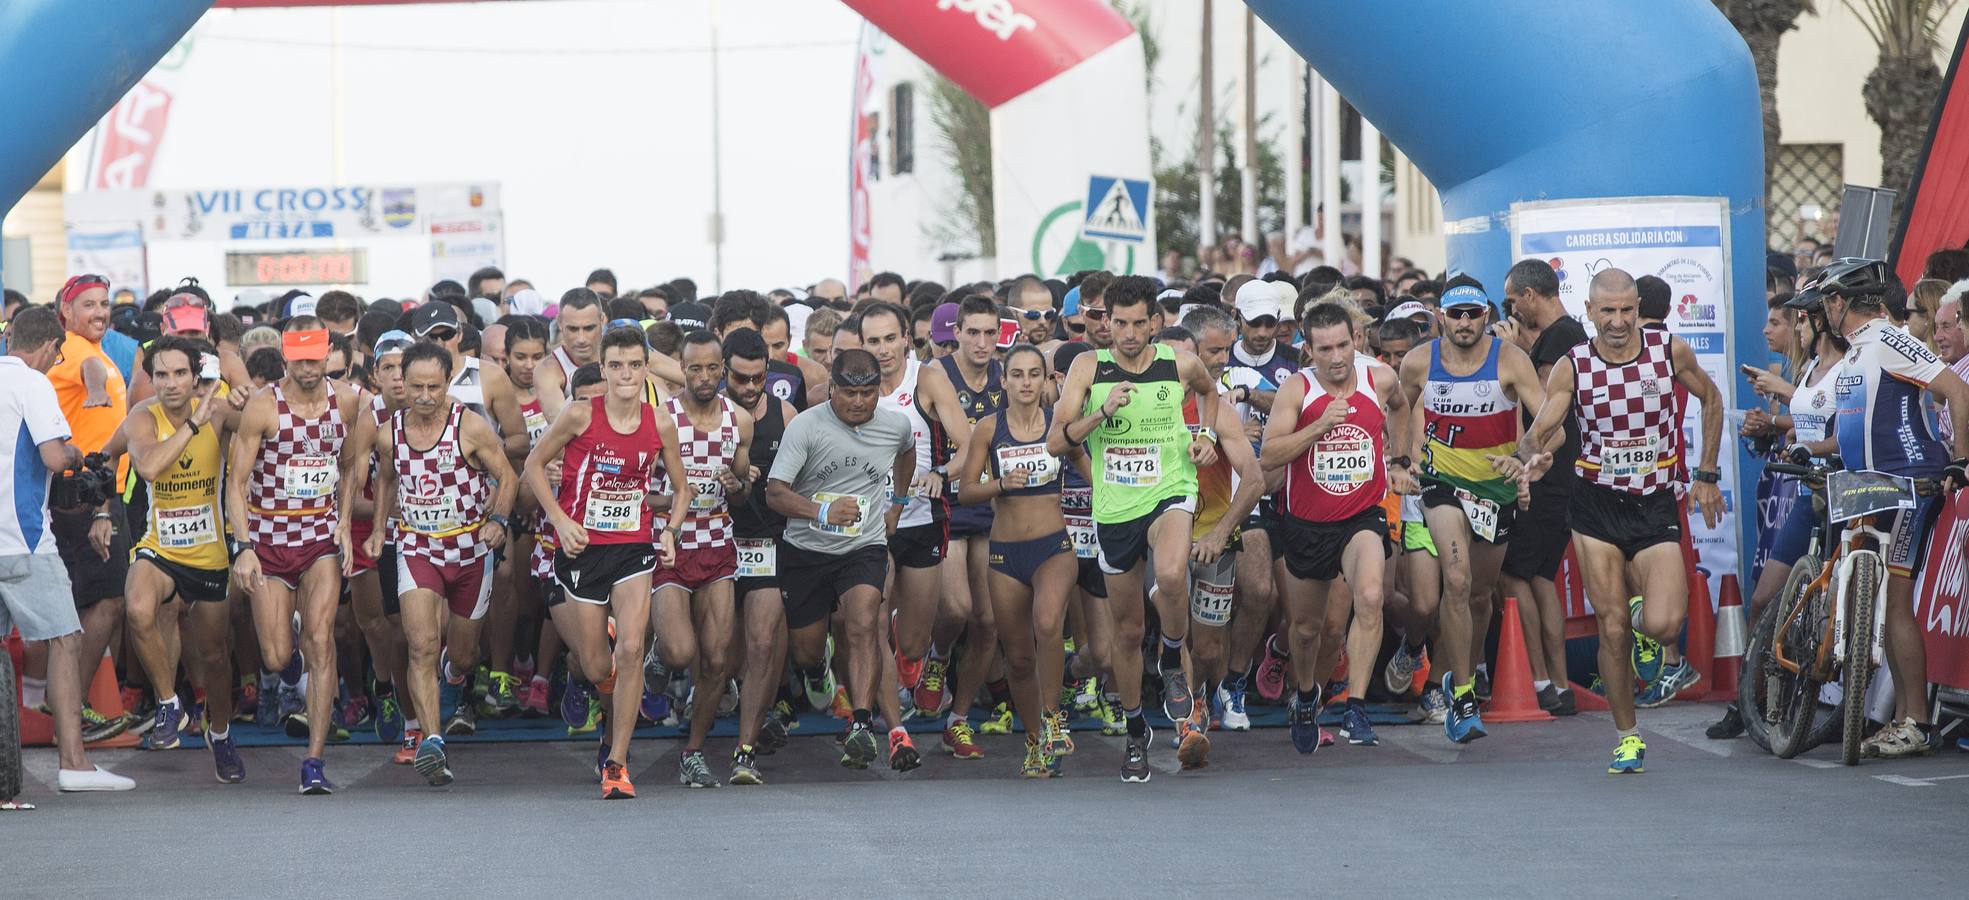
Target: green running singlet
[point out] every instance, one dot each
(1141, 457)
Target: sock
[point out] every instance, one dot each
(1137, 726)
(291, 675)
(1483, 669)
(1541, 684)
(34, 692)
(1412, 649)
(1355, 703)
(168, 701)
(1566, 690)
(1172, 653)
(411, 724)
(219, 735)
(1466, 689)
(1631, 732)
(785, 692)
(1001, 691)
(863, 718)
(956, 719)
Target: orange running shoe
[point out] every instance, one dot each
(841, 708)
(1192, 742)
(908, 671)
(407, 751)
(902, 751)
(961, 741)
(615, 782)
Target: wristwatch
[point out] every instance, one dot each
(504, 523)
(1707, 476)
(1400, 462)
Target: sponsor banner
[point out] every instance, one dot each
(285, 213)
(1939, 606)
(1682, 240)
(130, 137)
(999, 49)
(114, 250)
(860, 156)
(466, 244)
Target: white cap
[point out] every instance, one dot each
(249, 297)
(488, 311)
(1406, 310)
(1955, 292)
(1256, 299)
(527, 302)
(796, 324)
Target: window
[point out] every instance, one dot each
(902, 129)
(1805, 186)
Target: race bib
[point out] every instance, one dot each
(1079, 500)
(1134, 467)
(709, 493)
(1482, 514)
(1040, 466)
(308, 477)
(1627, 457)
(186, 526)
(1081, 530)
(536, 425)
(1210, 604)
(858, 527)
(613, 511)
(428, 515)
(1342, 465)
(757, 557)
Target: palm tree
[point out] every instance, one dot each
(1762, 23)
(1900, 91)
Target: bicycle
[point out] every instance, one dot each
(10, 732)
(1827, 625)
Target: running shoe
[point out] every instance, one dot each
(1481, 686)
(1113, 723)
(463, 721)
(902, 751)
(693, 771)
(930, 694)
(1192, 743)
(782, 712)
(1035, 765)
(98, 727)
(292, 705)
(1674, 679)
(389, 720)
(314, 780)
(168, 724)
(1627, 756)
(728, 703)
(226, 764)
(1432, 708)
(1462, 723)
(1568, 705)
(745, 768)
(998, 722)
(591, 720)
(960, 740)
(655, 706)
(601, 757)
(1135, 764)
(1909, 740)
(139, 711)
(1356, 728)
(354, 714)
(1399, 673)
(501, 697)
(1231, 709)
(1727, 728)
(266, 709)
(407, 750)
(1305, 719)
(1059, 736)
(1176, 699)
(1271, 671)
(858, 750)
(1085, 695)
(1326, 738)
(656, 675)
(430, 761)
(820, 691)
(534, 704)
(524, 671)
(574, 704)
(1647, 650)
(615, 782)
(909, 672)
(841, 708)
(246, 702)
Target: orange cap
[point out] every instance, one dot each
(305, 345)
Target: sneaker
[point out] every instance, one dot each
(139, 711)
(1036, 764)
(591, 720)
(1271, 672)
(693, 771)
(655, 706)
(524, 671)
(1480, 685)
(1231, 706)
(1356, 728)
(1192, 741)
(1729, 727)
(745, 768)
(601, 757)
(314, 780)
(1085, 695)
(1568, 704)
(1135, 765)
(1058, 735)
(430, 761)
(246, 703)
(354, 714)
(1548, 698)
(999, 722)
(819, 691)
(168, 724)
(407, 751)
(841, 708)
(1304, 717)
(98, 727)
(463, 721)
(1462, 723)
(291, 708)
(266, 709)
(1627, 756)
(1672, 681)
(930, 694)
(1176, 699)
(574, 705)
(501, 697)
(226, 764)
(902, 751)
(1910, 740)
(960, 740)
(858, 749)
(389, 720)
(783, 713)
(1113, 723)
(615, 782)
(1647, 650)
(656, 675)
(1399, 674)
(909, 672)
(95, 778)
(533, 704)
(1432, 708)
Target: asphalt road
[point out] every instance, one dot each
(1527, 812)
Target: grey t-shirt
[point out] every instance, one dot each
(821, 457)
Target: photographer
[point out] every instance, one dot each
(34, 586)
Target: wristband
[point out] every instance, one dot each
(898, 499)
(822, 516)
(102, 517)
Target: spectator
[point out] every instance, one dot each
(487, 282)
(602, 282)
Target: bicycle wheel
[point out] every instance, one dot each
(1757, 665)
(1791, 699)
(1856, 666)
(10, 732)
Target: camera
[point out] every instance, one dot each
(85, 488)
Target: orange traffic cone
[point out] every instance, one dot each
(1512, 699)
(1701, 649)
(38, 729)
(1732, 630)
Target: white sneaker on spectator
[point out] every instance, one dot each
(93, 779)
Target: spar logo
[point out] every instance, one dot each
(1693, 313)
(996, 16)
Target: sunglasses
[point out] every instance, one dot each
(920, 342)
(735, 378)
(338, 374)
(440, 335)
(1076, 327)
(947, 345)
(1034, 315)
(1094, 313)
(1466, 312)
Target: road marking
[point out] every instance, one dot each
(1819, 764)
(1905, 781)
(1428, 743)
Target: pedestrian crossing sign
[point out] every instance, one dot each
(1117, 210)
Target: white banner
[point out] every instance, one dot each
(1684, 241)
(285, 213)
(114, 250)
(464, 244)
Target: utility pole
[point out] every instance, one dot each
(717, 226)
(1206, 152)
(1248, 170)
(1295, 139)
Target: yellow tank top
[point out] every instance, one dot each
(186, 524)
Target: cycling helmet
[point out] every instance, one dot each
(1855, 279)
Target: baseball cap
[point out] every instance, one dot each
(392, 341)
(432, 316)
(249, 297)
(1782, 263)
(1070, 304)
(486, 310)
(943, 323)
(297, 303)
(692, 316)
(527, 302)
(180, 319)
(304, 345)
(1257, 299)
(1415, 307)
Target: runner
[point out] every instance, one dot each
(694, 607)
(978, 377)
(1464, 390)
(1126, 405)
(756, 533)
(288, 454)
(1332, 522)
(835, 463)
(578, 327)
(177, 442)
(1622, 384)
(1089, 619)
(1031, 557)
(605, 558)
(446, 483)
(372, 579)
(526, 348)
